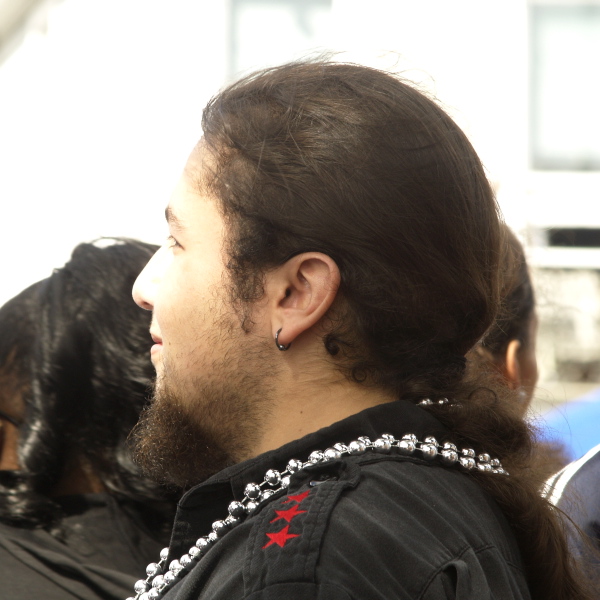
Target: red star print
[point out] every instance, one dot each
(298, 498)
(288, 514)
(280, 538)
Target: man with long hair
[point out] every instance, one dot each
(333, 255)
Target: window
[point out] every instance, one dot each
(565, 79)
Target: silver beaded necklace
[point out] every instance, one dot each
(159, 579)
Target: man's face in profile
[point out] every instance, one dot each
(210, 392)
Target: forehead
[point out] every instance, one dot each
(192, 210)
(194, 177)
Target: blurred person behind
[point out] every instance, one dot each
(575, 490)
(77, 520)
(509, 346)
(508, 349)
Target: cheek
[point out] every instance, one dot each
(530, 376)
(178, 310)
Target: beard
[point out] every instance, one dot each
(196, 427)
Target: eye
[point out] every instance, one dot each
(173, 243)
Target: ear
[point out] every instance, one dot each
(512, 368)
(300, 292)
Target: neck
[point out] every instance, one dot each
(306, 405)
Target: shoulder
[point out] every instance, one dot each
(574, 490)
(386, 528)
(576, 479)
(38, 565)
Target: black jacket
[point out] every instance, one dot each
(102, 550)
(369, 527)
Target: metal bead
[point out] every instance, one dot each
(469, 452)
(449, 446)
(484, 458)
(212, 537)
(273, 477)
(443, 401)
(236, 509)
(164, 553)
(153, 595)
(231, 521)
(467, 462)
(195, 552)
(220, 527)
(285, 482)
(342, 448)
(130, 598)
(144, 596)
(252, 490)
(365, 440)
(266, 495)
(495, 463)
(315, 457)
(251, 507)
(431, 440)
(356, 447)
(484, 467)
(175, 567)
(382, 445)
(294, 465)
(140, 586)
(449, 457)
(411, 437)
(429, 451)
(185, 561)
(332, 454)
(158, 581)
(152, 569)
(170, 577)
(406, 447)
(389, 437)
(425, 402)
(202, 543)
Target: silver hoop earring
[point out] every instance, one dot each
(281, 346)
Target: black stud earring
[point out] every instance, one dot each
(281, 346)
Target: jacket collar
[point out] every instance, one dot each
(398, 418)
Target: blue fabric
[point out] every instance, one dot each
(576, 424)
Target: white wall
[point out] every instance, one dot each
(97, 116)
(98, 113)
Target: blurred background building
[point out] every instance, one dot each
(100, 103)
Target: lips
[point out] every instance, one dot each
(156, 349)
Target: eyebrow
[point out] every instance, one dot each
(172, 219)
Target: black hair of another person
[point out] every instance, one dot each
(78, 347)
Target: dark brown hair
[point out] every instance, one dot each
(352, 162)
(518, 300)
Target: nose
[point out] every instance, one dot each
(148, 281)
